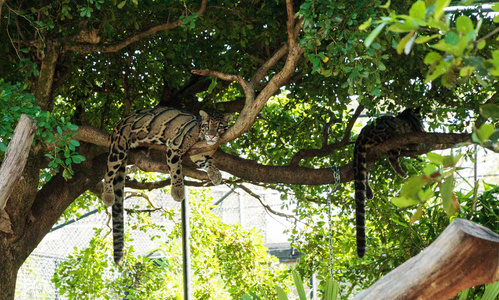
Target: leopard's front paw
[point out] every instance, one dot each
(215, 175)
(178, 193)
(108, 198)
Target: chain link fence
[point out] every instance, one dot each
(232, 206)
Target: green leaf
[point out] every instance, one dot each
(408, 45)
(403, 202)
(451, 38)
(66, 174)
(439, 8)
(403, 42)
(281, 295)
(484, 132)
(72, 127)
(78, 158)
(451, 160)
(412, 186)
(374, 34)
(405, 26)
(481, 44)
(3, 147)
(299, 285)
(491, 291)
(464, 24)
(332, 290)
(418, 10)
(435, 158)
(417, 215)
(121, 4)
(366, 24)
(423, 39)
(449, 199)
(432, 57)
(425, 195)
(464, 294)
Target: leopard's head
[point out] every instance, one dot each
(213, 126)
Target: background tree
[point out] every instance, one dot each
(296, 73)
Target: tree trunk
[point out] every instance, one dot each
(34, 211)
(8, 277)
(463, 256)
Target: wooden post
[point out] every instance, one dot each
(463, 256)
(13, 164)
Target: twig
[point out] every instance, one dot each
(265, 206)
(248, 87)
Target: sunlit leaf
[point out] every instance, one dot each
(449, 199)
(417, 215)
(435, 158)
(403, 202)
(464, 24)
(418, 10)
(374, 34)
(439, 8)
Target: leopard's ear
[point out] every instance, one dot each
(228, 118)
(203, 114)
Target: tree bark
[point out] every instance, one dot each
(16, 157)
(463, 256)
(46, 207)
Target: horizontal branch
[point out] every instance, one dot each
(328, 149)
(292, 174)
(254, 172)
(88, 48)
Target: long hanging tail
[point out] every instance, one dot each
(361, 185)
(117, 213)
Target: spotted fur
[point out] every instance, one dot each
(175, 129)
(371, 135)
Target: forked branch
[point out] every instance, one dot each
(252, 107)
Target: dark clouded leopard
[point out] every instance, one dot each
(176, 129)
(371, 135)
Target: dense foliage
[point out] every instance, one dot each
(227, 261)
(297, 75)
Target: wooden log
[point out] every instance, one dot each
(13, 164)
(463, 256)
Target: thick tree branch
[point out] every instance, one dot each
(251, 109)
(292, 174)
(463, 256)
(88, 48)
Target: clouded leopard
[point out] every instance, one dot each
(175, 129)
(371, 135)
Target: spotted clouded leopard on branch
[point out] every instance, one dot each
(175, 129)
(380, 130)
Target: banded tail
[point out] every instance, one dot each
(118, 214)
(362, 189)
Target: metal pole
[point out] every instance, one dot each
(186, 249)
